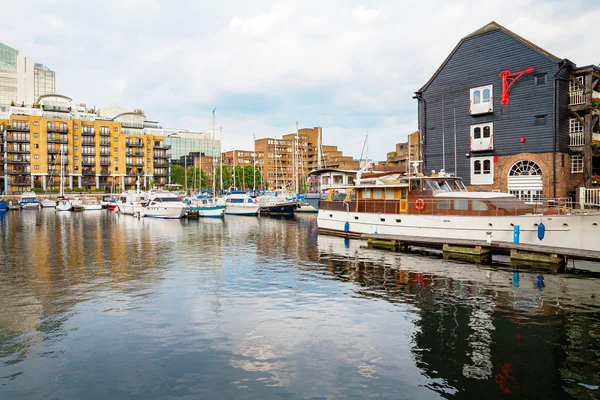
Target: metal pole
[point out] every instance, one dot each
(221, 159)
(5, 162)
(254, 164)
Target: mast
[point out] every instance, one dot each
(233, 168)
(62, 187)
(367, 148)
(221, 159)
(212, 139)
(296, 157)
(319, 150)
(254, 164)
(276, 180)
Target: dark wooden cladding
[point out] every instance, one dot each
(476, 62)
(379, 206)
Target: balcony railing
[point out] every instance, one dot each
(88, 162)
(131, 143)
(88, 171)
(56, 160)
(18, 128)
(160, 164)
(18, 160)
(25, 171)
(104, 133)
(20, 182)
(104, 171)
(134, 173)
(17, 139)
(54, 150)
(88, 133)
(134, 153)
(577, 139)
(104, 162)
(134, 164)
(18, 150)
(58, 139)
(57, 129)
(576, 97)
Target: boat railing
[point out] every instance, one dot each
(457, 206)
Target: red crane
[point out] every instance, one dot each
(508, 79)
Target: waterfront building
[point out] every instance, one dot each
(276, 158)
(107, 150)
(405, 153)
(521, 119)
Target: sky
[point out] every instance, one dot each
(351, 67)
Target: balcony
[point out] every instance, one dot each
(17, 150)
(577, 139)
(134, 153)
(162, 147)
(88, 162)
(134, 173)
(104, 171)
(104, 162)
(160, 172)
(17, 139)
(88, 182)
(57, 129)
(104, 133)
(87, 142)
(18, 128)
(18, 160)
(576, 97)
(57, 139)
(24, 171)
(56, 108)
(56, 160)
(20, 182)
(134, 164)
(104, 142)
(88, 171)
(87, 132)
(88, 153)
(134, 143)
(132, 125)
(161, 164)
(54, 150)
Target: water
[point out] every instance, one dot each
(101, 306)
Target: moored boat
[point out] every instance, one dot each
(29, 201)
(90, 204)
(239, 203)
(48, 203)
(131, 202)
(207, 207)
(270, 204)
(440, 207)
(164, 204)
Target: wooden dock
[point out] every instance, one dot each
(481, 250)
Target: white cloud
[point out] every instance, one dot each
(364, 15)
(264, 65)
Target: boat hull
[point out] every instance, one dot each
(130, 209)
(242, 209)
(210, 212)
(171, 212)
(29, 206)
(573, 231)
(284, 208)
(48, 203)
(92, 207)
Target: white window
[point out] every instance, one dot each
(482, 100)
(574, 87)
(576, 164)
(575, 126)
(525, 181)
(482, 171)
(482, 137)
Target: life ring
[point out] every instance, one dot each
(419, 204)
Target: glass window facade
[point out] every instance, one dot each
(44, 81)
(184, 145)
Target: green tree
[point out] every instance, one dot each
(177, 174)
(227, 178)
(248, 176)
(201, 180)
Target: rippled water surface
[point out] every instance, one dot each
(101, 306)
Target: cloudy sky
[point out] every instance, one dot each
(349, 66)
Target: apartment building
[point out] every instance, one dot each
(89, 151)
(404, 153)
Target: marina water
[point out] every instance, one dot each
(105, 306)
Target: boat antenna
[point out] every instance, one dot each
(221, 158)
(455, 165)
(443, 137)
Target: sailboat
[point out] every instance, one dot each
(62, 204)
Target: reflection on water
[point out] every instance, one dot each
(98, 305)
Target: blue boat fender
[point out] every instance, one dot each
(541, 231)
(347, 227)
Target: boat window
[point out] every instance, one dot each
(431, 185)
(389, 194)
(415, 184)
(377, 194)
(366, 194)
(479, 205)
(168, 199)
(462, 186)
(461, 204)
(353, 195)
(443, 205)
(250, 201)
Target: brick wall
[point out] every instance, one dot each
(565, 181)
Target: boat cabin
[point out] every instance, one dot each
(436, 195)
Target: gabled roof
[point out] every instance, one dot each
(492, 26)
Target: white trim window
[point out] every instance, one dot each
(482, 137)
(575, 126)
(482, 100)
(576, 164)
(482, 171)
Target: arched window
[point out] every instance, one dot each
(476, 97)
(486, 131)
(486, 96)
(525, 181)
(477, 133)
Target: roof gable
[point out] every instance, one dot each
(491, 27)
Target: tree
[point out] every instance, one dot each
(177, 174)
(227, 178)
(249, 176)
(201, 180)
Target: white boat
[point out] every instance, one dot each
(29, 201)
(207, 207)
(440, 207)
(305, 207)
(63, 204)
(239, 203)
(164, 204)
(277, 204)
(48, 203)
(132, 202)
(90, 204)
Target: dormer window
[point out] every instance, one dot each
(482, 100)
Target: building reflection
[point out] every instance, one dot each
(479, 332)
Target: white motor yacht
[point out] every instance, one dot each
(239, 203)
(29, 201)
(132, 202)
(164, 204)
(90, 204)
